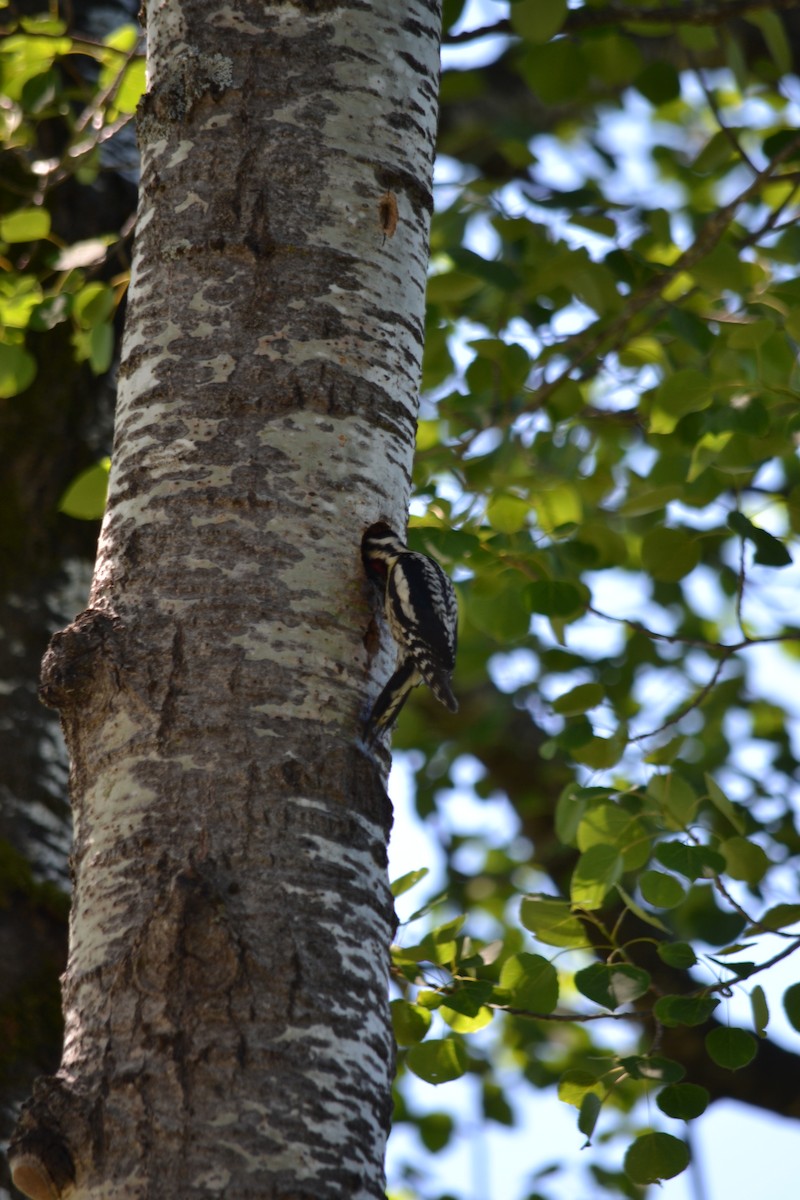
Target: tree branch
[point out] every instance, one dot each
(717, 12)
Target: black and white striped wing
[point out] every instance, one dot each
(422, 612)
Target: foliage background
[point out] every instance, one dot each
(606, 463)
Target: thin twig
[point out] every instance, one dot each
(690, 706)
(712, 104)
(724, 648)
(726, 984)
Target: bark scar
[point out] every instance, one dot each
(82, 662)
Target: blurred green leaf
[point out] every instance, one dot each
(17, 369)
(437, 1061)
(655, 1156)
(410, 1022)
(85, 498)
(684, 1010)
(683, 1101)
(25, 225)
(552, 921)
(731, 1048)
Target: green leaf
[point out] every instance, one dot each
(589, 1112)
(556, 72)
(461, 1022)
(612, 984)
(555, 598)
(659, 83)
(131, 87)
(410, 1022)
(684, 392)
(451, 287)
(437, 1061)
(470, 997)
(745, 860)
(655, 1156)
(675, 798)
(601, 753)
(538, 20)
(552, 921)
(507, 513)
(780, 916)
(684, 1010)
(677, 954)
(495, 1105)
(653, 1068)
(435, 1130)
(791, 1005)
(723, 804)
(731, 1048)
(707, 451)
(25, 225)
(408, 881)
(660, 890)
(93, 305)
(683, 1101)
(612, 825)
(574, 1085)
(85, 498)
(101, 347)
(760, 1010)
(531, 981)
(20, 296)
(689, 860)
(570, 809)
(558, 508)
(17, 369)
(769, 551)
(497, 607)
(643, 914)
(774, 33)
(566, 400)
(499, 275)
(669, 554)
(595, 873)
(579, 700)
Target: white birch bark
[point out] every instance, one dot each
(227, 1018)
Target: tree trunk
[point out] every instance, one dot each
(226, 994)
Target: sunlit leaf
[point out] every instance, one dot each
(552, 921)
(612, 984)
(410, 1022)
(25, 225)
(531, 981)
(595, 873)
(85, 498)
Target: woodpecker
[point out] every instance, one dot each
(421, 610)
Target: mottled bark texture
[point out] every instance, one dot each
(227, 1027)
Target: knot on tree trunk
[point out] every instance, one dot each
(42, 1165)
(81, 664)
